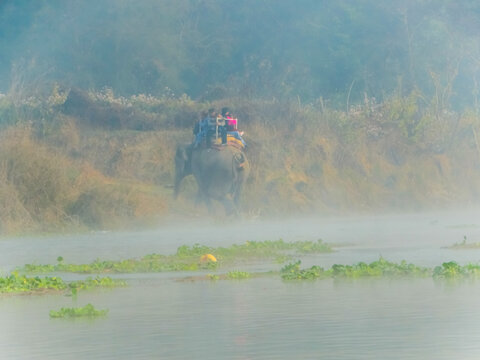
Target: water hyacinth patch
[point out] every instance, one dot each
(451, 270)
(149, 263)
(238, 275)
(190, 258)
(86, 311)
(16, 283)
(257, 249)
(293, 272)
(97, 282)
(379, 268)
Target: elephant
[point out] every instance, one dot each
(220, 173)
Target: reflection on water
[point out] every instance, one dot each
(254, 319)
(161, 316)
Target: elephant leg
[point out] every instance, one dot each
(237, 191)
(209, 205)
(236, 197)
(229, 205)
(202, 195)
(199, 198)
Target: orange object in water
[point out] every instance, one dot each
(208, 257)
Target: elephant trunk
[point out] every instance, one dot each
(179, 175)
(182, 166)
(178, 179)
(239, 160)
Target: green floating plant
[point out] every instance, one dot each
(97, 282)
(379, 268)
(16, 283)
(86, 311)
(292, 271)
(451, 270)
(237, 275)
(190, 258)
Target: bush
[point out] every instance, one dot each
(41, 190)
(34, 186)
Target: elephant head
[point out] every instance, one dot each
(183, 165)
(221, 174)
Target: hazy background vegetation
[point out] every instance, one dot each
(347, 105)
(267, 48)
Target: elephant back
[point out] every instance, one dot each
(223, 162)
(237, 156)
(232, 141)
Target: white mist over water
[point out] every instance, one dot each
(162, 316)
(415, 235)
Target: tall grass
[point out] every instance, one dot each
(44, 190)
(34, 182)
(94, 160)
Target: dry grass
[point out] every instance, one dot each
(304, 158)
(42, 190)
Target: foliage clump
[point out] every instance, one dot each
(42, 189)
(452, 270)
(293, 272)
(258, 249)
(379, 268)
(17, 283)
(189, 258)
(237, 275)
(96, 282)
(85, 311)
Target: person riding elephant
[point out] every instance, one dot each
(231, 126)
(201, 128)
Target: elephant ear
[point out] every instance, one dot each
(188, 158)
(183, 157)
(188, 152)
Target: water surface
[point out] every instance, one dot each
(166, 316)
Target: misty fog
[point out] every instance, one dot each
(357, 233)
(306, 49)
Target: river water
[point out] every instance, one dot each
(167, 316)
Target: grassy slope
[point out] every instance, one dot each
(101, 162)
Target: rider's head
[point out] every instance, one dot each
(225, 111)
(212, 112)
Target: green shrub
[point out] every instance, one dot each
(86, 311)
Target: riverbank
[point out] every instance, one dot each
(78, 161)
